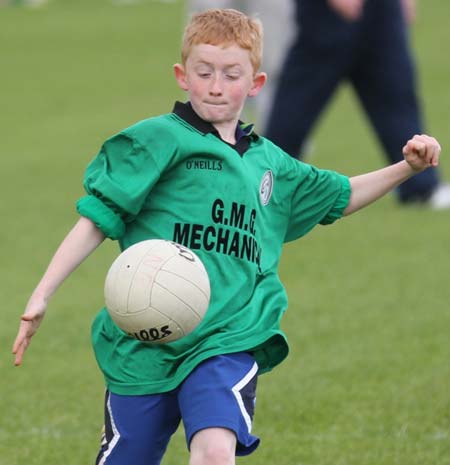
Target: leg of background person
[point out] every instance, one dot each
(279, 30)
(200, 5)
(316, 63)
(385, 82)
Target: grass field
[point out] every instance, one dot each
(367, 380)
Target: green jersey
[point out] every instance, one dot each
(173, 177)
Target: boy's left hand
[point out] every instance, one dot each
(422, 152)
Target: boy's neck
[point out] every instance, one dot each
(227, 131)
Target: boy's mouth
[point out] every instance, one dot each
(216, 104)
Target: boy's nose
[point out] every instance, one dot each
(216, 86)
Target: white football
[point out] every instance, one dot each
(157, 291)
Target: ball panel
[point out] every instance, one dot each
(139, 295)
(180, 312)
(146, 318)
(193, 271)
(186, 291)
(121, 274)
(117, 284)
(158, 335)
(149, 325)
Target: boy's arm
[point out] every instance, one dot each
(83, 239)
(420, 153)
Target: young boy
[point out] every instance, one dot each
(201, 177)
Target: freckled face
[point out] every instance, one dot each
(218, 81)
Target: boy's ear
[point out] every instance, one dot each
(180, 76)
(258, 83)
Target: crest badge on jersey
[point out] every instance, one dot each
(266, 187)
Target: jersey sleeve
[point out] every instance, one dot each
(319, 197)
(117, 182)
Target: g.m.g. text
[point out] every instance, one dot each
(232, 232)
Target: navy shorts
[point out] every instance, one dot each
(220, 392)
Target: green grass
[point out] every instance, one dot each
(367, 379)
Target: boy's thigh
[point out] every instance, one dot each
(138, 428)
(221, 393)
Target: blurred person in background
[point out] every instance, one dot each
(279, 31)
(366, 43)
(34, 3)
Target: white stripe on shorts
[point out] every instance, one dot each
(115, 437)
(236, 391)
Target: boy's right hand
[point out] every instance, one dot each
(29, 324)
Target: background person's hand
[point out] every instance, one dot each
(409, 10)
(350, 10)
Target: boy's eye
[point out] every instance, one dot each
(233, 77)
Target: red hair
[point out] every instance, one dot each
(224, 27)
